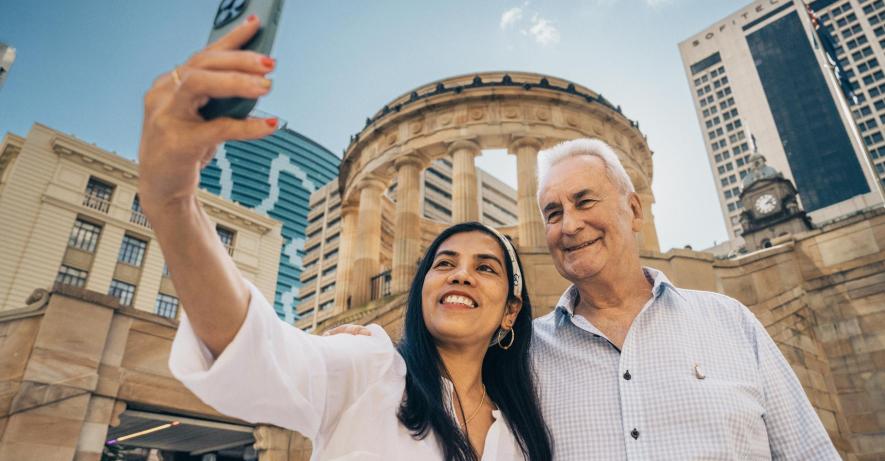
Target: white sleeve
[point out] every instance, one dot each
(275, 373)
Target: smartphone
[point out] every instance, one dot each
(230, 14)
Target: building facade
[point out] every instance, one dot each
(759, 77)
(275, 176)
(497, 207)
(70, 214)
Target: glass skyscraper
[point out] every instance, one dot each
(761, 74)
(275, 176)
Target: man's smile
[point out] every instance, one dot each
(580, 246)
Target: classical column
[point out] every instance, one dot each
(648, 235)
(345, 256)
(407, 223)
(366, 251)
(465, 206)
(531, 227)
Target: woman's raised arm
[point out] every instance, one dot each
(176, 142)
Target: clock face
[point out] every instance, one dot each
(765, 204)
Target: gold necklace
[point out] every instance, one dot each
(476, 412)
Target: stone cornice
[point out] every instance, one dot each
(493, 114)
(94, 158)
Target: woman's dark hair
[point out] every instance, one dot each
(506, 373)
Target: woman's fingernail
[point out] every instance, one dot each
(252, 18)
(268, 62)
(264, 83)
(271, 122)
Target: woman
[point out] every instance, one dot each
(457, 387)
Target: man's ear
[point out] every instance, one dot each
(635, 207)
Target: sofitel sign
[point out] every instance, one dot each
(741, 18)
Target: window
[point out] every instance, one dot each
(84, 236)
(330, 271)
(328, 288)
(326, 305)
(166, 306)
(122, 291)
(70, 276)
(98, 195)
(227, 238)
(132, 251)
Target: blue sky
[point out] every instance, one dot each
(82, 67)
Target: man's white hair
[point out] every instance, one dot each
(585, 146)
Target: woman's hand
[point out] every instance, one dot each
(176, 142)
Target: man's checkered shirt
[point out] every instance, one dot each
(698, 377)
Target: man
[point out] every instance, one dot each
(630, 366)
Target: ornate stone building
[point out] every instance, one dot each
(771, 206)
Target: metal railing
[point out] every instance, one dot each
(381, 285)
(96, 203)
(230, 249)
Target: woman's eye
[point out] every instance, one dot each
(443, 263)
(487, 268)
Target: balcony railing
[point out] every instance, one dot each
(96, 203)
(230, 249)
(139, 218)
(381, 285)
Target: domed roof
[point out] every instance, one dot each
(759, 171)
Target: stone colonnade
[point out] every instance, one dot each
(358, 257)
(457, 118)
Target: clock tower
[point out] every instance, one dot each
(771, 207)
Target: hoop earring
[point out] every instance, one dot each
(512, 332)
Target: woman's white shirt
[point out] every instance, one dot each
(341, 391)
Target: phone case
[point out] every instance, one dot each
(229, 15)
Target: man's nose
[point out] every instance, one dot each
(571, 223)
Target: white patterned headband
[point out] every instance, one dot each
(511, 254)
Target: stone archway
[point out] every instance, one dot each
(457, 118)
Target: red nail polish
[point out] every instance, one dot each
(268, 62)
(252, 18)
(271, 122)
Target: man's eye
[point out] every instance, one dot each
(586, 202)
(553, 216)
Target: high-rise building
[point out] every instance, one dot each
(498, 209)
(7, 56)
(70, 214)
(275, 177)
(759, 78)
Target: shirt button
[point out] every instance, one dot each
(634, 433)
(627, 375)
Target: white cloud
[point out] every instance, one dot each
(657, 3)
(511, 17)
(540, 29)
(543, 31)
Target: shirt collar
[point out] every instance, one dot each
(565, 307)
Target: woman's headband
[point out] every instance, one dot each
(511, 253)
